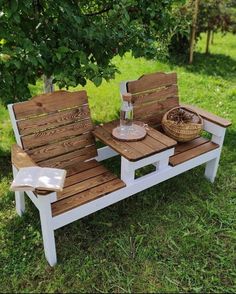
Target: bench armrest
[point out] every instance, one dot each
(20, 159)
(209, 116)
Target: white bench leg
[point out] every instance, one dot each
(127, 171)
(47, 230)
(19, 196)
(212, 165)
(211, 169)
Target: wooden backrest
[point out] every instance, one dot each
(153, 95)
(55, 128)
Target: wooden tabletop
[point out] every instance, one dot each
(153, 143)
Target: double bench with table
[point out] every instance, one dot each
(55, 130)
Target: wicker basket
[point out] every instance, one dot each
(182, 132)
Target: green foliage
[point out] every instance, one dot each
(74, 41)
(213, 16)
(178, 236)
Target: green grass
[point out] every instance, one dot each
(177, 236)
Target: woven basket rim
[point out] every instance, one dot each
(183, 107)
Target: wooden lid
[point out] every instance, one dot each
(127, 97)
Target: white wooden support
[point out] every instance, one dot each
(105, 153)
(212, 165)
(138, 185)
(128, 168)
(14, 124)
(45, 211)
(19, 196)
(127, 171)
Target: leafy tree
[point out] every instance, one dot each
(74, 41)
(213, 16)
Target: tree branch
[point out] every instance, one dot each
(99, 12)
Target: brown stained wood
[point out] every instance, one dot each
(76, 167)
(60, 133)
(181, 147)
(20, 158)
(61, 147)
(157, 95)
(138, 133)
(157, 135)
(52, 120)
(91, 194)
(70, 158)
(50, 102)
(121, 147)
(140, 146)
(86, 185)
(152, 81)
(155, 107)
(82, 176)
(209, 116)
(189, 154)
(154, 144)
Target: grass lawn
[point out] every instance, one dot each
(177, 236)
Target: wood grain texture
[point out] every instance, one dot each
(209, 116)
(61, 147)
(84, 175)
(52, 120)
(152, 81)
(68, 159)
(56, 134)
(81, 198)
(153, 143)
(181, 147)
(20, 158)
(86, 185)
(151, 109)
(121, 147)
(156, 95)
(50, 102)
(189, 154)
(76, 167)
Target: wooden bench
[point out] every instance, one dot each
(156, 93)
(56, 130)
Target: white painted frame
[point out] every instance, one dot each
(163, 172)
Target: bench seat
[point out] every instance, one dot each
(188, 150)
(86, 185)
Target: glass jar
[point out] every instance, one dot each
(126, 113)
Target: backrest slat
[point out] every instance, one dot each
(153, 95)
(50, 102)
(56, 129)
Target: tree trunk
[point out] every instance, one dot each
(193, 31)
(208, 41)
(48, 85)
(212, 38)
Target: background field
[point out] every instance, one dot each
(177, 236)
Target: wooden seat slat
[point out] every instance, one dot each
(61, 147)
(56, 134)
(82, 176)
(191, 153)
(181, 147)
(84, 197)
(52, 120)
(86, 185)
(76, 168)
(50, 102)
